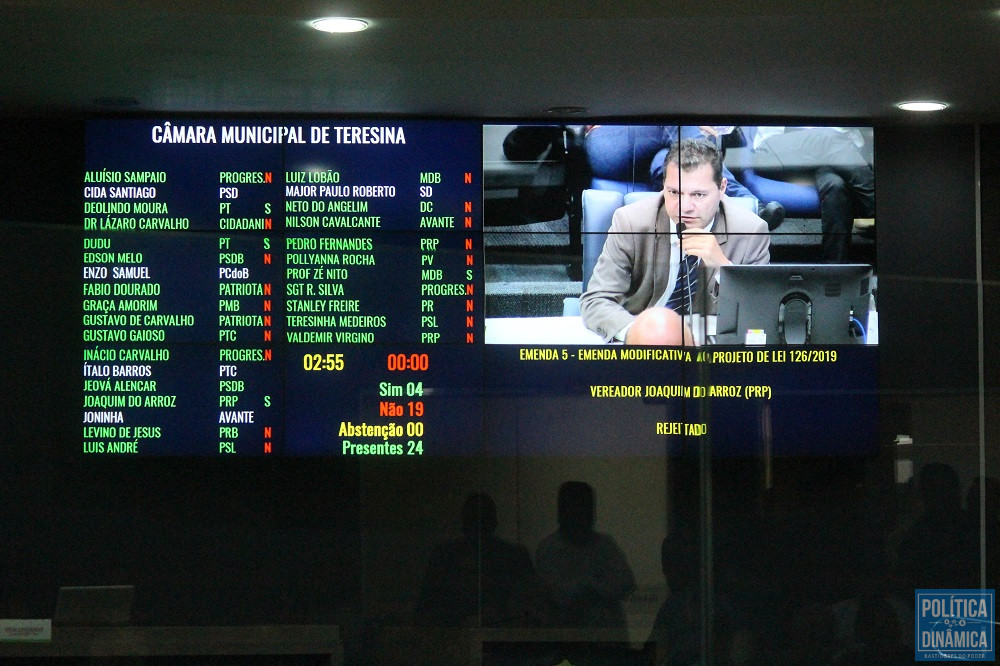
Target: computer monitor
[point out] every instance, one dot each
(801, 304)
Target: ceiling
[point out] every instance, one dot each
(773, 58)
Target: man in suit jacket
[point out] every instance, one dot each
(644, 281)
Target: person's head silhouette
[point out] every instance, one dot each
(576, 510)
(479, 515)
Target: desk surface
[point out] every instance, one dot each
(571, 331)
(555, 331)
(539, 331)
(183, 641)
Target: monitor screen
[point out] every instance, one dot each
(796, 304)
(397, 289)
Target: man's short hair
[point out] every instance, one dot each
(576, 506)
(479, 515)
(689, 154)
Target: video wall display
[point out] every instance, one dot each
(420, 288)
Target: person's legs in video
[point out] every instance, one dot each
(659, 326)
(835, 213)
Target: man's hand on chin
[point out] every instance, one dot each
(703, 245)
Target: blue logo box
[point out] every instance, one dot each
(954, 625)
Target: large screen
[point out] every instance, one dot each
(414, 288)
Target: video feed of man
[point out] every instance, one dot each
(669, 235)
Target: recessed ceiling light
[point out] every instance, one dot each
(922, 106)
(340, 24)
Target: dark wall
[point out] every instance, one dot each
(42, 176)
(926, 211)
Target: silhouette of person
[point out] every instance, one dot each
(875, 634)
(844, 180)
(585, 571)
(940, 550)
(676, 634)
(478, 579)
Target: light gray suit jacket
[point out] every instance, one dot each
(634, 268)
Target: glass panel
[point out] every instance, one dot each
(774, 496)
